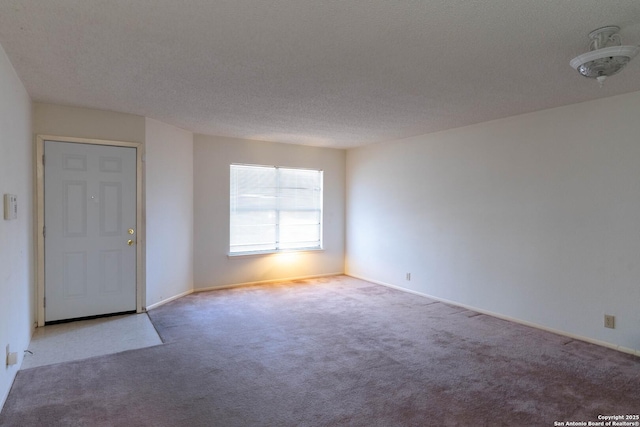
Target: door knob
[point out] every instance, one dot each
(129, 242)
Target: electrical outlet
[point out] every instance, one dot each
(609, 321)
(408, 277)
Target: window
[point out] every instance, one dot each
(275, 209)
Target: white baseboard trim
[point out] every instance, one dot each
(164, 301)
(264, 282)
(503, 317)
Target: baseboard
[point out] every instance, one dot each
(238, 285)
(503, 317)
(264, 282)
(164, 301)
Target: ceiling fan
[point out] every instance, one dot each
(606, 56)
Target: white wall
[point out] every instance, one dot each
(16, 236)
(58, 120)
(212, 266)
(535, 217)
(169, 205)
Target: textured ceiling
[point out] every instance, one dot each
(317, 72)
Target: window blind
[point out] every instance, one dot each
(274, 209)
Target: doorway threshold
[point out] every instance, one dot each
(57, 322)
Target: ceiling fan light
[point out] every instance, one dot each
(604, 62)
(606, 56)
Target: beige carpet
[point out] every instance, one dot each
(330, 352)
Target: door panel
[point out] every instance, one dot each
(89, 205)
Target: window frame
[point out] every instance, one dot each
(278, 210)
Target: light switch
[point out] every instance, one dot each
(10, 206)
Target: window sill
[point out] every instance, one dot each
(270, 253)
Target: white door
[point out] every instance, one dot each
(90, 230)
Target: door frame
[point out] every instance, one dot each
(39, 217)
